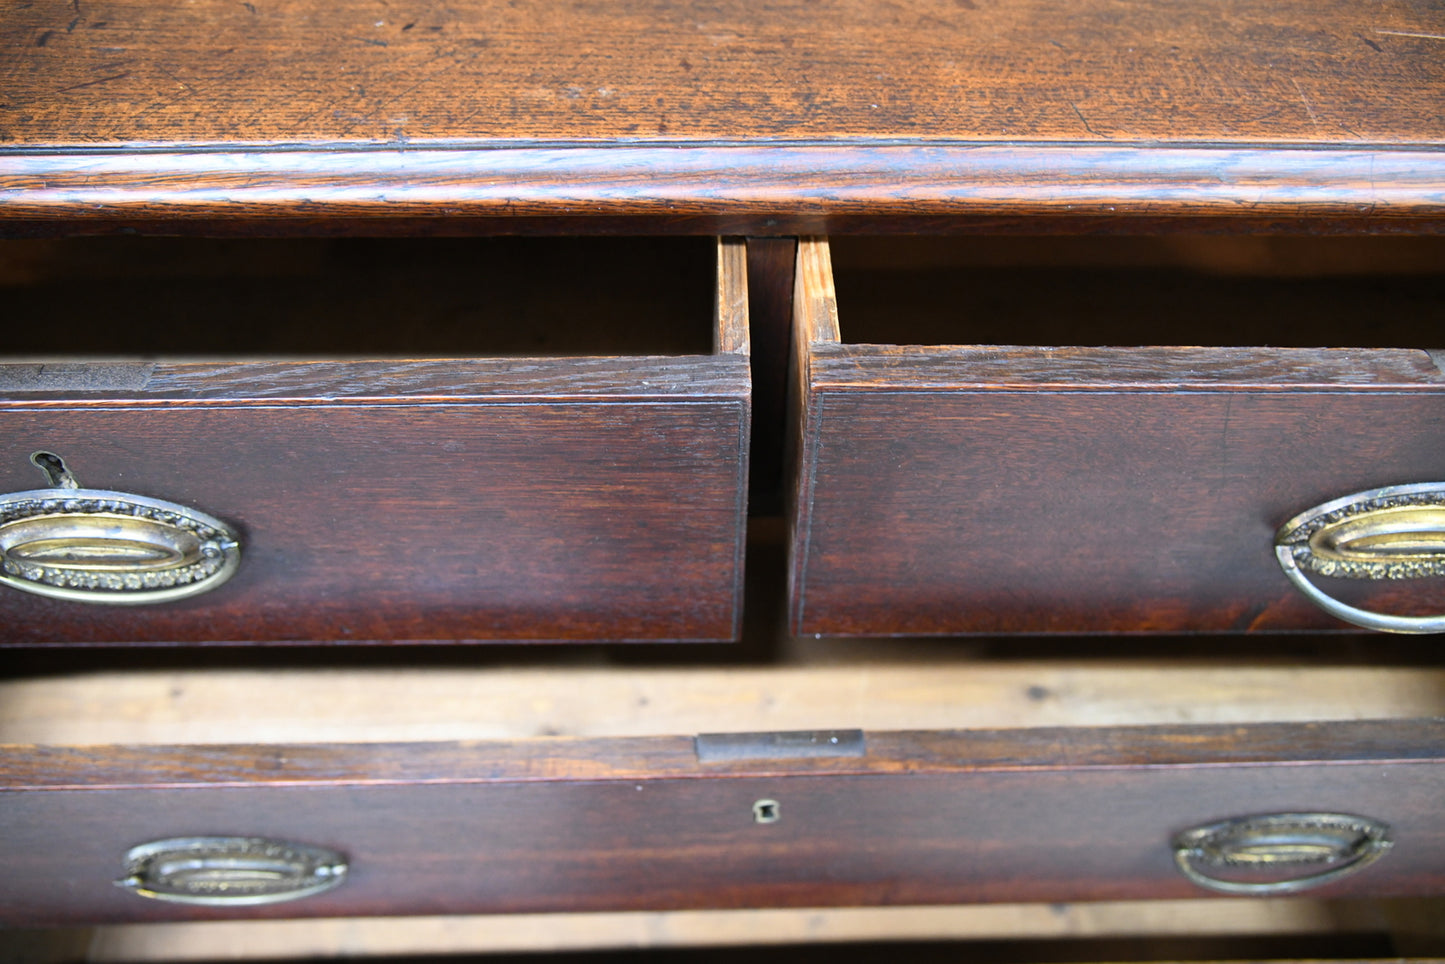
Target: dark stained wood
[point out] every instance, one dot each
(421, 519)
(60, 767)
(1275, 371)
(56, 384)
(1300, 222)
(496, 499)
(747, 119)
(978, 489)
(1052, 814)
(726, 189)
(957, 489)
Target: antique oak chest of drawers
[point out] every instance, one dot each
(496, 323)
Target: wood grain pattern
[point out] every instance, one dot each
(1290, 926)
(641, 824)
(125, 72)
(731, 303)
(1004, 368)
(55, 383)
(564, 759)
(726, 189)
(977, 489)
(430, 520)
(881, 689)
(498, 499)
(786, 119)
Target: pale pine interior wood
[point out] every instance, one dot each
(293, 940)
(398, 704)
(730, 322)
(815, 307)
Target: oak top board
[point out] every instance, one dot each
(891, 95)
(308, 71)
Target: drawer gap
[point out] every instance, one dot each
(1128, 292)
(358, 297)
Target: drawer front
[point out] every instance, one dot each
(489, 499)
(985, 490)
(658, 823)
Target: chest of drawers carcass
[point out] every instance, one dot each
(441, 344)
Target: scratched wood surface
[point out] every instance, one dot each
(571, 825)
(82, 72)
(790, 117)
(977, 489)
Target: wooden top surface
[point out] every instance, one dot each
(406, 71)
(1074, 91)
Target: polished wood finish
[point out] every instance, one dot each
(1044, 814)
(800, 117)
(999, 489)
(491, 499)
(726, 189)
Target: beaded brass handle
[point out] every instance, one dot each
(1396, 532)
(1327, 846)
(96, 545)
(230, 871)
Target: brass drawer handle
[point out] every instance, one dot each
(1328, 845)
(230, 871)
(96, 545)
(1397, 532)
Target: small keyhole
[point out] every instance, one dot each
(54, 468)
(767, 811)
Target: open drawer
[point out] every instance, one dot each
(1060, 804)
(357, 440)
(949, 482)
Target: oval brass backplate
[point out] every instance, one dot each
(230, 871)
(1308, 849)
(96, 545)
(1396, 532)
